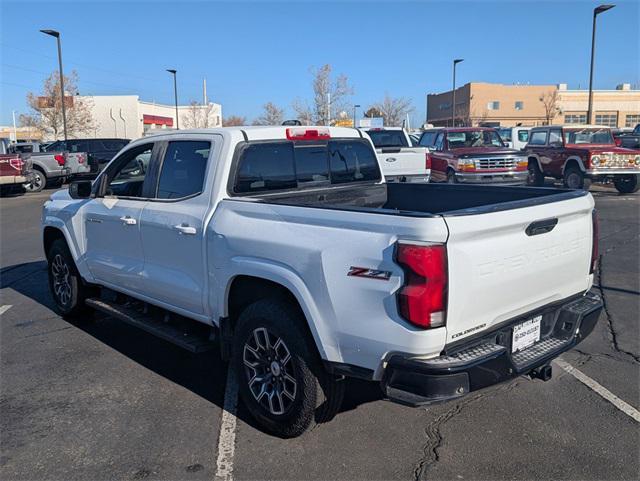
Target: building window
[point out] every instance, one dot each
(575, 119)
(495, 105)
(444, 106)
(519, 105)
(609, 120)
(632, 120)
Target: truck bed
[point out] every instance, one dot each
(424, 199)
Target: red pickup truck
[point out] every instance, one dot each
(15, 171)
(579, 154)
(473, 155)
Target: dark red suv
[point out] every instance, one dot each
(579, 154)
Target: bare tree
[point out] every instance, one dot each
(198, 116)
(329, 96)
(234, 121)
(372, 112)
(394, 110)
(47, 107)
(32, 125)
(550, 104)
(272, 115)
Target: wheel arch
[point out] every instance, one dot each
(573, 160)
(535, 158)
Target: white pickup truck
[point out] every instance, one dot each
(291, 252)
(399, 159)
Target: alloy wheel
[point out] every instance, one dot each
(61, 281)
(36, 184)
(269, 370)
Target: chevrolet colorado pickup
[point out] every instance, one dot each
(286, 247)
(399, 159)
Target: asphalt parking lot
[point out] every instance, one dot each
(102, 400)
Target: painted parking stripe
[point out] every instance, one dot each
(227, 438)
(5, 308)
(602, 391)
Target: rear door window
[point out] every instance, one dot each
(352, 161)
(523, 135)
(183, 169)
(427, 139)
(265, 166)
(112, 145)
(388, 138)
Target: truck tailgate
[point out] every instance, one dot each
(498, 271)
(402, 162)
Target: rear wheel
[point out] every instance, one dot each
(38, 183)
(281, 379)
(65, 283)
(535, 177)
(627, 184)
(574, 178)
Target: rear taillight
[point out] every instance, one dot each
(60, 159)
(594, 241)
(423, 298)
(16, 164)
(427, 160)
(81, 159)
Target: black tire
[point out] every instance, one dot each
(574, 178)
(283, 407)
(39, 181)
(535, 177)
(627, 184)
(55, 183)
(67, 287)
(451, 177)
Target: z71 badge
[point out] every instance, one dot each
(369, 273)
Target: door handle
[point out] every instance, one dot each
(128, 220)
(95, 221)
(185, 229)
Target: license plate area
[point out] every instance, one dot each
(526, 334)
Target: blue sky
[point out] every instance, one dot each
(255, 52)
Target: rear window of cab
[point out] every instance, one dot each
(285, 165)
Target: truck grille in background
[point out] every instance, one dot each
(496, 163)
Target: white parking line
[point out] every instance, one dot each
(5, 308)
(602, 391)
(227, 438)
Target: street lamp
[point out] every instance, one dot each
(55, 34)
(175, 94)
(354, 115)
(596, 11)
(453, 105)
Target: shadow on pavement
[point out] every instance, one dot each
(204, 374)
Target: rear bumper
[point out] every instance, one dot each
(513, 178)
(488, 360)
(416, 178)
(16, 179)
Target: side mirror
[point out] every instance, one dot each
(80, 189)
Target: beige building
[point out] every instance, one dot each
(509, 105)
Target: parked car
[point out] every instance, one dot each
(629, 138)
(101, 150)
(48, 168)
(287, 246)
(514, 137)
(80, 164)
(15, 171)
(580, 154)
(400, 160)
(473, 155)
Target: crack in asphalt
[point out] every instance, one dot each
(612, 333)
(433, 429)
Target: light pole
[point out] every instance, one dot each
(55, 34)
(175, 94)
(453, 104)
(596, 11)
(354, 115)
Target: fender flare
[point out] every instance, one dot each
(323, 336)
(535, 157)
(58, 224)
(576, 159)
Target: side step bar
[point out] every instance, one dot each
(183, 338)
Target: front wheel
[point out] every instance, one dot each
(281, 379)
(65, 284)
(574, 178)
(38, 182)
(535, 177)
(451, 177)
(627, 184)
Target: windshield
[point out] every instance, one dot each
(388, 138)
(588, 136)
(505, 134)
(474, 138)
